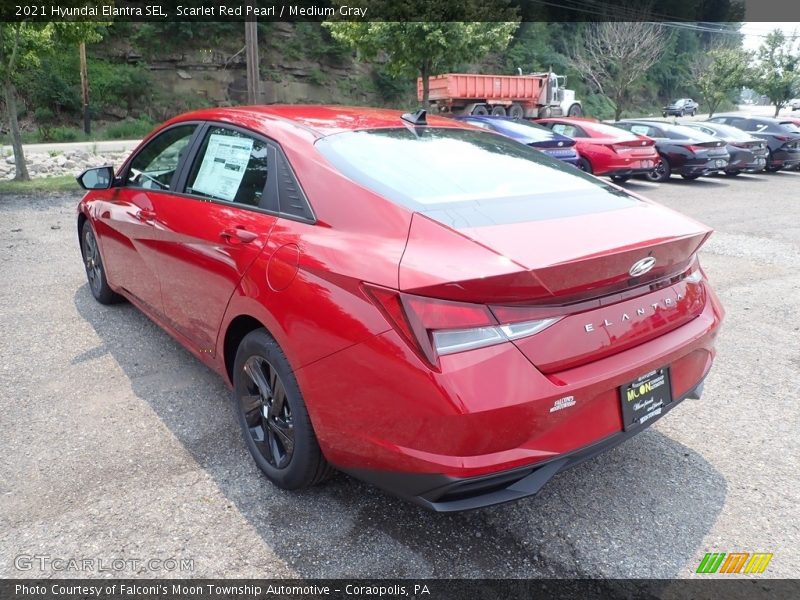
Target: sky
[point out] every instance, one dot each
(754, 32)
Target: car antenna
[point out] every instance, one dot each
(416, 118)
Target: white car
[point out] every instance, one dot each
(794, 103)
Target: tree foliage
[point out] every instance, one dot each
(776, 73)
(719, 74)
(615, 57)
(423, 48)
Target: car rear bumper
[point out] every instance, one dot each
(704, 166)
(488, 416)
(785, 159)
(443, 493)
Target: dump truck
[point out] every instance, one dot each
(534, 96)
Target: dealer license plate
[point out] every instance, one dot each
(645, 398)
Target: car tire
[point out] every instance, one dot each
(585, 166)
(693, 112)
(682, 113)
(663, 114)
(620, 178)
(661, 173)
(770, 168)
(273, 417)
(95, 271)
(498, 111)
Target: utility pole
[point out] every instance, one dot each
(251, 46)
(87, 125)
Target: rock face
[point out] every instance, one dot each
(70, 162)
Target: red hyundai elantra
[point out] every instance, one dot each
(430, 307)
(608, 150)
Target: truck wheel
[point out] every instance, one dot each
(480, 110)
(575, 110)
(516, 111)
(499, 111)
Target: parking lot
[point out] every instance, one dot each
(116, 444)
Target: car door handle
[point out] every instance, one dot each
(236, 234)
(145, 215)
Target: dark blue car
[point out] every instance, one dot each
(551, 143)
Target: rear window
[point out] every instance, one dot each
(679, 132)
(467, 178)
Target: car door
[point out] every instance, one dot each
(214, 229)
(126, 223)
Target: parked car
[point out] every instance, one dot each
(794, 103)
(431, 307)
(681, 107)
(607, 150)
(684, 151)
(525, 132)
(748, 154)
(781, 135)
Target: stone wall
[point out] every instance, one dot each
(68, 162)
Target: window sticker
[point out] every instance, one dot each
(223, 166)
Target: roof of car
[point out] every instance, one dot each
(319, 119)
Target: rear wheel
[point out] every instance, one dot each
(682, 113)
(771, 167)
(585, 165)
(661, 173)
(93, 263)
(499, 111)
(480, 110)
(516, 111)
(273, 417)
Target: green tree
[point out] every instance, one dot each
(776, 72)
(21, 45)
(718, 74)
(423, 49)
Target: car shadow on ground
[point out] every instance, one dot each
(640, 510)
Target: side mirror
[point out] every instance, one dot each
(99, 178)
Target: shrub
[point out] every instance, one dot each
(129, 129)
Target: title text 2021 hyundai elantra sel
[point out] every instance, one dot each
(427, 306)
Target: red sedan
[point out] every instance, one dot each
(434, 308)
(607, 150)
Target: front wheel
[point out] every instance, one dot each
(575, 110)
(93, 263)
(272, 414)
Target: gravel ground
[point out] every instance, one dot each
(116, 444)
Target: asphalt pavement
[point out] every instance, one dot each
(116, 446)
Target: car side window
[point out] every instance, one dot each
(230, 166)
(569, 130)
(155, 165)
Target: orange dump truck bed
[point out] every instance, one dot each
(484, 87)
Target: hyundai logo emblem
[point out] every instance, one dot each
(640, 267)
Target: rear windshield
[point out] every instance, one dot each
(612, 131)
(527, 129)
(679, 132)
(467, 178)
(727, 131)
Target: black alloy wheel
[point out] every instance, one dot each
(273, 417)
(268, 415)
(93, 263)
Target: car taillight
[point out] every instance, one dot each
(434, 327)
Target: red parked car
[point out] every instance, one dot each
(434, 308)
(608, 150)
